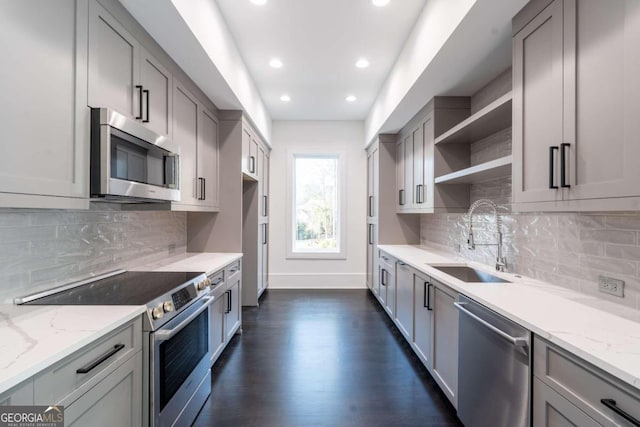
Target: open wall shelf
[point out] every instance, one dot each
(493, 169)
(489, 120)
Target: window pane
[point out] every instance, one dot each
(316, 227)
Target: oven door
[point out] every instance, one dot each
(180, 355)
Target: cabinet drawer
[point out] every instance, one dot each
(387, 261)
(583, 384)
(552, 410)
(232, 269)
(63, 384)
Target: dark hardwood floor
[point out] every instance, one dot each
(322, 358)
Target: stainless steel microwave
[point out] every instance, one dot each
(131, 163)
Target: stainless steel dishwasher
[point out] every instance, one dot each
(494, 363)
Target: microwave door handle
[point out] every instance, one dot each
(171, 164)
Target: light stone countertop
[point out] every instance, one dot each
(581, 325)
(34, 337)
(205, 262)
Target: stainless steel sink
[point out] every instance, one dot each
(470, 275)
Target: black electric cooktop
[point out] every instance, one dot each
(128, 288)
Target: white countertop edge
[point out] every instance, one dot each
(400, 252)
(27, 373)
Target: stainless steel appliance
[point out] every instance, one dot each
(494, 363)
(131, 163)
(176, 342)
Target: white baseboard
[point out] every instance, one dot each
(317, 281)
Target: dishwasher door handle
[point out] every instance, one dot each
(516, 341)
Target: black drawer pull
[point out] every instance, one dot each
(86, 369)
(611, 404)
(429, 286)
(552, 185)
(563, 165)
(146, 92)
(139, 116)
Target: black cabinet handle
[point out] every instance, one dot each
(228, 309)
(230, 301)
(146, 92)
(252, 164)
(139, 116)
(429, 286)
(425, 303)
(201, 182)
(611, 404)
(552, 167)
(563, 165)
(401, 200)
(382, 281)
(86, 369)
(264, 234)
(264, 205)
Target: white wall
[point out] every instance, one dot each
(289, 136)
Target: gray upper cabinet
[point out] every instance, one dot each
(401, 189)
(126, 77)
(114, 66)
(45, 137)
(157, 84)
(576, 102)
(185, 134)
(208, 161)
(250, 146)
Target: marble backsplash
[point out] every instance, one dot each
(44, 248)
(565, 249)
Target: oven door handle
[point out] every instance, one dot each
(164, 335)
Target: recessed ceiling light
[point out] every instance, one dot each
(380, 3)
(259, 2)
(285, 98)
(275, 63)
(351, 98)
(362, 63)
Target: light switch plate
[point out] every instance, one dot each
(611, 286)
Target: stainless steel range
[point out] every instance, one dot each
(177, 350)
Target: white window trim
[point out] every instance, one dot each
(342, 203)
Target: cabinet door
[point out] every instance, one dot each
(217, 335)
(19, 395)
(45, 119)
(538, 106)
(445, 340)
(261, 160)
(404, 300)
(550, 409)
(428, 136)
(233, 315)
(113, 64)
(266, 170)
(265, 256)
(370, 256)
(207, 159)
(157, 100)
(384, 274)
(253, 157)
(246, 150)
(114, 401)
(423, 318)
(602, 98)
(408, 173)
(370, 185)
(401, 193)
(185, 134)
(418, 167)
(260, 262)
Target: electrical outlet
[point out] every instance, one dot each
(611, 286)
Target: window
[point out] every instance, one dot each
(316, 206)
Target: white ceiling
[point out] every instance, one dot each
(319, 42)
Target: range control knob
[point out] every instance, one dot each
(203, 285)
(167, 306)
(157, 312)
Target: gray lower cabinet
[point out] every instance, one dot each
(569, 388)
(217, 335)
(386, 279)
(21, 394)
(45, 119)
(550, 409)
(423, 314)
(445, 340)
(404, 299)
(114, 401)
(233, 311)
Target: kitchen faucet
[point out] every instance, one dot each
(501, 261)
